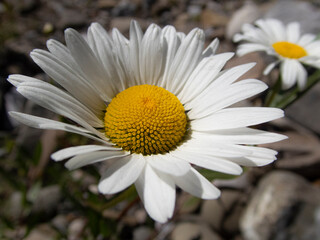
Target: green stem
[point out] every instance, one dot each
(129, 193)
(273, 93)
(295, 94)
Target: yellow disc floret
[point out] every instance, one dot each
(289, 50)
(145, 119)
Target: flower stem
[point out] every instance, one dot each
(272, 94)
(290, 97)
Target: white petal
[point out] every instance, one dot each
(151, 56)
(208, 161)
(62, 53)
(219, 84)
(121, 174)
(277, 29)
(269, 68)
(232, 74)
(240, 136)
(85, 58)
(36, 86)
(252, 161)
(235, 93)
(17, 79)
(78, 150)
(92, 157)
(239, 37)
(206, 71)
(69, 78)
(121, 46)
(259, 157)
(100, 42)
(246, 48)
(186, 59)
(211, 49)
(157, 191)
(102, 46)
(313, 48)
(270, 28)
(261, 152)
(259, 162)
(293, 32)
(173, 42)
(288, 73)
(44, 123)
(252, 34)
(181, 36)
(306, 39)
(236, 117)
(169, 164)
(195, 184)
(229, 76)
(135, 42)
(61, 103)
(213, 148)
(302, 76)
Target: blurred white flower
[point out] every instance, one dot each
(285, 43)
(158, 103)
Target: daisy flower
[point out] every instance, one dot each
(285, 43)
(158, 104)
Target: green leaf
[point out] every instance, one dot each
(190, 204)
(212, 175)
(128, 194)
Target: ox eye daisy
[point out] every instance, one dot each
(159, 105)
(284, 42)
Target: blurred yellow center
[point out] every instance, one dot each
(145, 119)
(289, 50)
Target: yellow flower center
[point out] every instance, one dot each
(145, 119)
(289, 50)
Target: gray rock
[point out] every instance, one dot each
(301, 151)
(25, 44)
(66, 16)
(305, 111)
(142, 233)
(189, 231)
(223, 212)
(208, 208)
(194, 10)
(61, 223)
(231, 222)
(284, 206)
(76, 228)
(124, 8)
(13, 207)
(47, 200)
(42, 231)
